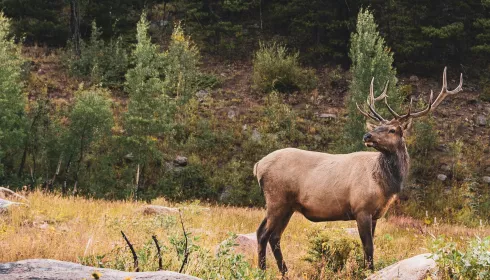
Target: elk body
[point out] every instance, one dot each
(332, 187)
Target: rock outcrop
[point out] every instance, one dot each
(9, 194)
(57, 270)
(414, 268)
(247, 246)
(158, 210)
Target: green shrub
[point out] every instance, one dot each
(421, 143)
(13, 121)
(370, 58)
(332, 251)
(90, 121)
(103, 62)
(472, 262)
(276, 69)
(280, 119)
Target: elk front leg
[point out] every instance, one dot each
(365, 227)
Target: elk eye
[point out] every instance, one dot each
(392, 130)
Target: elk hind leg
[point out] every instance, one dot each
(262, 237)
(275, 241)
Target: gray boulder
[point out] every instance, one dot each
(57, 270)
(158, 210)
(9, 194)
(414, 268)
(6, 204)
(246, 245)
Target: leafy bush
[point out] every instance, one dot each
(90, 121)
(472, 262)
(276, 69)
(103, 62)
(370, 58)
(13, 121)
(335, 252)
(422, 140)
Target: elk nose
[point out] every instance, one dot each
(367, 136)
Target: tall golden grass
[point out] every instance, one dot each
(74, 229)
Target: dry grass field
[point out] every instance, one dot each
(88, 231)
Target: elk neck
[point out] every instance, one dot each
(392, 169)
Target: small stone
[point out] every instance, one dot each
(351, 231)
(441, 177)
(201, 95)
(445, 167)
(256, 136)
(414, 78)
(442, 148)
(328, 116)
(232, 114)
(41, 71)
(487, 169)
(180, 161)
(480, 120)
(486, 179)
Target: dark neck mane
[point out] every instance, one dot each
(392, 169)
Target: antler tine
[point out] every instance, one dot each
(383, 94)
(371, 100)
(444, 92)
(427, 110)
(367, 114)
(395, 114)
(442, 95)
(407, 116)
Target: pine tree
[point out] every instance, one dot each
(370, 58)
(150, 110)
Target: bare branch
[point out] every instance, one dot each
(135, 257)
(160, 262)
(186, 251)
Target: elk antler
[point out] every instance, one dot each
(432, 105)
(371, 100)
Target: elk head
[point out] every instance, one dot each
(387, 135)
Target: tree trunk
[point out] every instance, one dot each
(75, 25)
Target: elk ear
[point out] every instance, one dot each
(400, 130)
(407, 127)
(370, 126)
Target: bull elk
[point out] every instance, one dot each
(358, 186)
